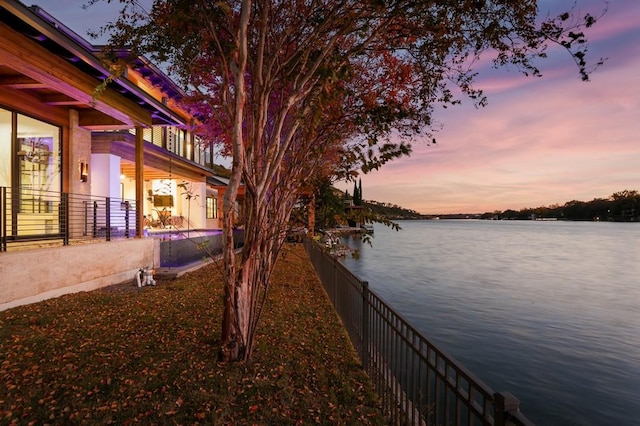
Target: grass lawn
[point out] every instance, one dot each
(124, 355)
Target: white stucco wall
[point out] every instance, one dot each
(105, 175)
(31, 276)
(194, 209)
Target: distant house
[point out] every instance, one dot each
(75, 168)
(353, 212)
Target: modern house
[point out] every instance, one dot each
(76, 168)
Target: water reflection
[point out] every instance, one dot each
(549, 311)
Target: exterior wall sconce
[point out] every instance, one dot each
(84, 171)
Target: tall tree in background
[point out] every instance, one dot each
(303, 88)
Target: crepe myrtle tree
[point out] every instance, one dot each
(308, 88)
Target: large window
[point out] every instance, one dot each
(6, 149)
(153, 135)
(212, 208)
(29, 153)
(202, 152)
(176, 140)
(30, 166)
(38, 146)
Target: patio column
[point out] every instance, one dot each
(139, 182)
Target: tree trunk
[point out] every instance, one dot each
(230, 329)
(232, 340)
(246, 289)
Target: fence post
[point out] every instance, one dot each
(334, 261)
(364, 356)
(505, 403)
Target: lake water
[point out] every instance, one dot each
(549, 311)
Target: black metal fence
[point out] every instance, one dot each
(418, 383)
(34, 218)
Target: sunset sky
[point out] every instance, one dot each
(540, 141)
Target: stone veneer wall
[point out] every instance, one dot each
(31, 276)
(79, 152)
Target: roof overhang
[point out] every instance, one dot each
(32, 26)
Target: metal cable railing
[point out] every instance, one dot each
(418, 383)
(34, 218)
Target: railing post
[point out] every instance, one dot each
(64, 220)
(3, 219)
(126, 218)
(95, 219)
(364, 356)
(85, 230)
(505, 403)
(107, 212)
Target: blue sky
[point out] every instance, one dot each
(540, 141)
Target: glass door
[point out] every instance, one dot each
(37, 177)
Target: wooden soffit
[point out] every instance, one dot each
(158, 163)
(36, 68)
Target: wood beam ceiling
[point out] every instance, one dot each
(20, 82)
(37, 65)
(60, 99)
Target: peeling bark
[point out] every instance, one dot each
(233, 343)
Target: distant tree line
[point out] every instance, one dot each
(623, 206)
(334, 207)
(377, 209)
(391, 211)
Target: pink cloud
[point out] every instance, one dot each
(552, 141)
